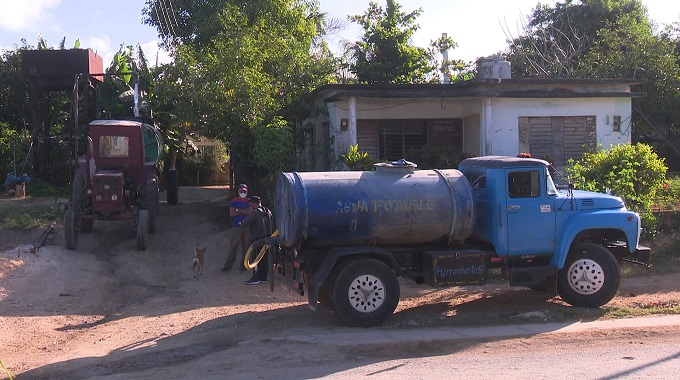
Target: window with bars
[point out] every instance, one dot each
(392, 139)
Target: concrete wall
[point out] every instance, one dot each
(504, 133)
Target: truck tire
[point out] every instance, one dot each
(150, 199)
(365, 292)
(142, 229)
(70, 233)
(590, 276)
(81, 203)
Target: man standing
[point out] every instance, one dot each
(259, 223)
(239, 208)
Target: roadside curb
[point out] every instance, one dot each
(361, 336)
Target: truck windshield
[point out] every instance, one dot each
(550, 185)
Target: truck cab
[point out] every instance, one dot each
(521, 212)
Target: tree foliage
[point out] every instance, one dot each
(555, 39)
(385, 53)
(607, 39)
(238, 65)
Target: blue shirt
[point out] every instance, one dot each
(239, 203)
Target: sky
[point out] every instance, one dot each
(480, 28)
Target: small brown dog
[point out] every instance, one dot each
(199, 255)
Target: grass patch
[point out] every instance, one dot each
(29, 213)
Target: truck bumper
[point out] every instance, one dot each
(642, 254)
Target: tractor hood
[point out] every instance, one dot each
(588, 200)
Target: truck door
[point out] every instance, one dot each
(530, 213)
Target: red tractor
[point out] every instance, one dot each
(116, 178)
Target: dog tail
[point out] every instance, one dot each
(195, 268)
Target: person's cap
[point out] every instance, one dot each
(255, 198)
(243, 186)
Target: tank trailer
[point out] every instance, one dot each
(346, 237)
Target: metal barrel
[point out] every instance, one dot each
(389, 206)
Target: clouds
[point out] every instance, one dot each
(19, 16)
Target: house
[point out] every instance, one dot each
(493, 114)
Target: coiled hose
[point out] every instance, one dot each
(246, 259)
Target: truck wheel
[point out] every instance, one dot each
(590, 276)
(70, 233)
(81, 203)
(365, 292)
(142, 229)
(151, 200)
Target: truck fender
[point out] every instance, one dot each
(334, 255)
(605, 219)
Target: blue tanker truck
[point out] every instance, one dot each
(346, 237)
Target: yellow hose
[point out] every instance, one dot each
(246, 259)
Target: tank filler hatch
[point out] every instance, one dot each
(400, 166)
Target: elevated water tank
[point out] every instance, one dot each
(493, 68)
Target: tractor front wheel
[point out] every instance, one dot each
(151, 200)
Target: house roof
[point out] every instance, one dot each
(488, 87)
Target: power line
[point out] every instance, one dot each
(160, 24)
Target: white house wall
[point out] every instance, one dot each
(504, 131)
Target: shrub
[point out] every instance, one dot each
(667, 196)
(356, 160)
(633, 172)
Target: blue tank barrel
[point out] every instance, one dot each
(392, 205)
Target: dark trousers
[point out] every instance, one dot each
(262, 269)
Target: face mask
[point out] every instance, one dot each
(242, 195)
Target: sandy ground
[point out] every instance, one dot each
(107, 310)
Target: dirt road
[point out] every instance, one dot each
(107, 310)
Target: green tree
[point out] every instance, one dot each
(384, 54)
(555, 39)
(608, 39)
(13, 89)
(240, 64)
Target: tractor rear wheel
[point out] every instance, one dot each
(81, 203)
(142, 229)
(70, 233)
